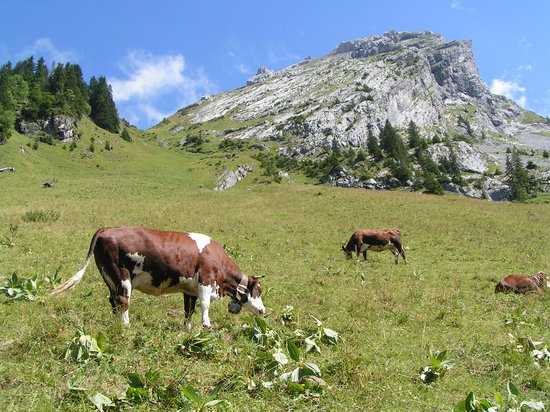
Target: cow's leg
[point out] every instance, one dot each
(395, 255)
(361, 248)
(189, 306)
(125, 301)
(402, 253)
(119, 291)
(205, 291)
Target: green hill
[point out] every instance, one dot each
(387, 316)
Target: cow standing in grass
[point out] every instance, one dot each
(522, 283)
(377, 241)
(158, 262)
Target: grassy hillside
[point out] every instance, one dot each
(386, 315)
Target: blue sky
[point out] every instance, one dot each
(161, 56)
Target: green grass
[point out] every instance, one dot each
(387, 315)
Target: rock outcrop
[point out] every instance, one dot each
(262, 75)
(469, 159)
(61, 127)
(230, 178)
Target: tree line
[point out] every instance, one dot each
(408, 161)
(31, 91)
(389, 150)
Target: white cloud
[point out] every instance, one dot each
(148, 75)
(44, 47)
(457, 5)
(525, 43)
(153, 81)
(241, 68)
(510, 90)
(525, 67)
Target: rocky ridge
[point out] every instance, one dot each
(398, 76)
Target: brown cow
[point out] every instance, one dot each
(377, 241)
(522, 283)
(159, 262)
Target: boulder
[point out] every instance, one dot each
(230, 178)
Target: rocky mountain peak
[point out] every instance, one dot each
(390, 41)
(262, 74)
(340, 98)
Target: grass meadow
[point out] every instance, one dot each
(387, 316)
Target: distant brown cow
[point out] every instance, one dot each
(522, 283)
(377, 241)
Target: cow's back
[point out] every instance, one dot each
(516, 284)
(161, 250)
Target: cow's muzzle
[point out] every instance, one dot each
(234, 307)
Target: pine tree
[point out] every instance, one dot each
(454, 169)
(41, 73)
(432, 185)
(76, 99)
(414, 135)
(391, 143)
(7, 105)
(401, 170)
(517, 177)
(56, 81)
(373, 147)
(25, 68)
(103, 109)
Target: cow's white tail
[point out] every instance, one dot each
(72, 282)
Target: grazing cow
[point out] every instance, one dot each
(522, 283)
(158, 262)
(377, 241)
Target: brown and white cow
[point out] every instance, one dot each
(158, 262)
(377, 241)
(522, 283)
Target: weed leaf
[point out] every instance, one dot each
(100, 401)
(191, 394)
(512, 390)
(280, 357)
(313, 368)
(135, 380)
(293, 350)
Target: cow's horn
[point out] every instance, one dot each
(258, 277)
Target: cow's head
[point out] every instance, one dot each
(542, 279)
(248, 295)
(347, 252)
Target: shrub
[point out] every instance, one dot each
(83, 348)
(201, 344)
(438, 367)
(24, 289)
(125, 135)
(41, 216)
(511, 404)
(8, 238)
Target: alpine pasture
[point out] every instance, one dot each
(366, 327)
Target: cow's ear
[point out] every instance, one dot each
(343, 248)
(258, 277)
